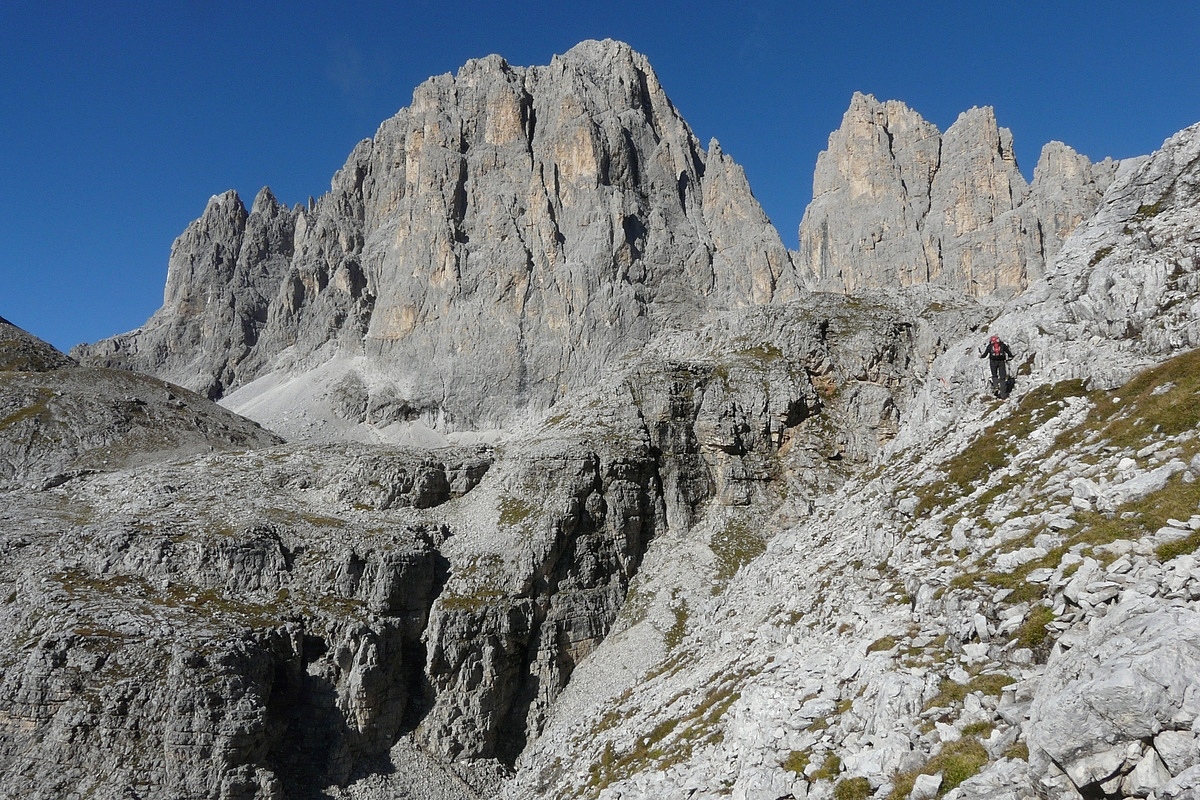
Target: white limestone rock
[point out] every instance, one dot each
(896, 202)
(1135, 675)
(508, 235)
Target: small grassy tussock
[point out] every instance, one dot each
(829, 769)
(763, 353)
(980, 730)
(957, 762)
(466, 603)
(797, 761)
(852, 789)
(951, 694)
(1033, 631)
(735, 546)
(990, 683)
(882, 644)
(1018, 751)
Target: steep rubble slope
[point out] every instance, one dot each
(503, 238)
(896, 202)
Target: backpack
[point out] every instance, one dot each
(997, 349)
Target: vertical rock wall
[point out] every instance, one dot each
(897, 203)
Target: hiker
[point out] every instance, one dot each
(998, 356)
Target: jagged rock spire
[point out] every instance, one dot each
(896, 203)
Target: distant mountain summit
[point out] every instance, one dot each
(505, 237)
(515, 231)
(897, 203)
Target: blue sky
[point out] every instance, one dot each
(121, 119)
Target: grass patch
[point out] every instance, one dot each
(951, 693)
(1160, 402)
(514, 511)
(1133, 520)
(957, 762)
(1033, 631)
(980, 730)
(797, 761)
(735, 545)
(829, 769)
(38, 407)
(1018, 751)
(852, 789)
(990, 683)
(902, 785)
(763, 353)
(882, 643)
(1149, 210)
(1100, 255)
(481, 598)
(1179, 547)
(678, 629)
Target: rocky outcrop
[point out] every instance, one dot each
(1131, 272)
(503, 238)
(1115, 713)
(897, 203)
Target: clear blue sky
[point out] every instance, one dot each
(120, 119)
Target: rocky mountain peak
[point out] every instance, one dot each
(896, 202)
(507, 236)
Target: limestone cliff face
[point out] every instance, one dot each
(501, 239)
(897, 203)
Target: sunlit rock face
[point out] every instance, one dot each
(897, 203)
(500, 240)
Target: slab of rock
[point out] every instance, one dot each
(1133, 677)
